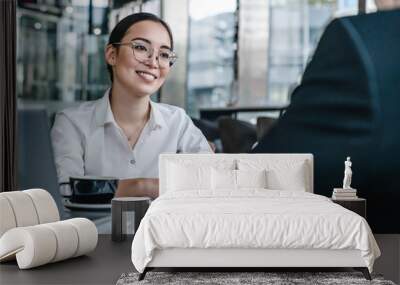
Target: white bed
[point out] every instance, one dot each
(213, 212)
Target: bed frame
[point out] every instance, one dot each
(245, 258)
(256, 258)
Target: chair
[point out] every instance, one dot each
(236, 136)
(211, 131)
(264, 124)
(36, 166)
(31, 231)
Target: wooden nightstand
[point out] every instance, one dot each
(358, 205)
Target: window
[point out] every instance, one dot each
(58, 58)
(295, 27)
(211, 53)
(274, 40)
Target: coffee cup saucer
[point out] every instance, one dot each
(82, 206)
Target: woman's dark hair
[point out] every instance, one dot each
(123, 26)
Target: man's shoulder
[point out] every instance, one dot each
(347, 35)
(371, 21)
(389, 14)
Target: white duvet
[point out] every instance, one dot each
(250, 219)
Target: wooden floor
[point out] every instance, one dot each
(389, 262)
(103, 266)
(110, 260)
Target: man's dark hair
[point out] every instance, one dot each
(123, 26)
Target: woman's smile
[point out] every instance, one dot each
(146, 75)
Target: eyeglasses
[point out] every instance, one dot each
(143, 51)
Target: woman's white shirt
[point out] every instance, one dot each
(88, 141)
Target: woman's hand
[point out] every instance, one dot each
(137, 187)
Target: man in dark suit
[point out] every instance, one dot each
(348, 104)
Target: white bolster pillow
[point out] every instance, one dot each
(40, 244)
(45, 206)
(7, 219)
(26, 208)
(22, 207)
(66, 238)
(32, 246)
(87, 235)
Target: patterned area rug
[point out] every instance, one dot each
(269, 278)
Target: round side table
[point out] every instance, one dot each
(126, 213)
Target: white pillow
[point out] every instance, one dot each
(291, 179)
(223, 179)
(251, 178)
(230, 180)
(182, 177)
(281, 174)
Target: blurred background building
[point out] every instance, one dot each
(231, 52)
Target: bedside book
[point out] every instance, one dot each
(341, 190)
(334, 197)
(344, 194)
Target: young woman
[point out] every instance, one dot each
(122, 134)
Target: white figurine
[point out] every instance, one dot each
(347, 174)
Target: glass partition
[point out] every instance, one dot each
(295, 27)
(292, 29)
(60, 57)
(211, 53)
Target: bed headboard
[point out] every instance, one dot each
(212, 159)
